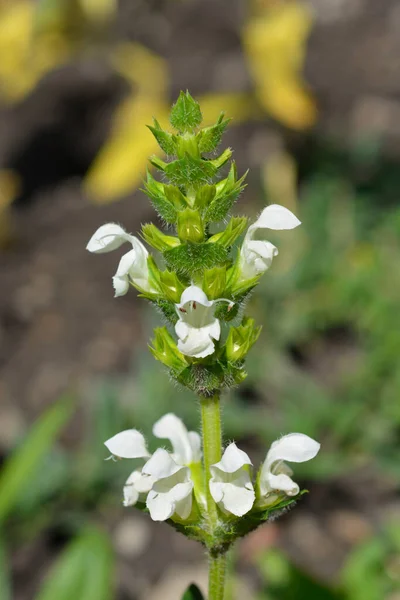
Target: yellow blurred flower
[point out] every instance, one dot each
(275, 43)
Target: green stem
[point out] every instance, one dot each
(212, 444)
(216, 577)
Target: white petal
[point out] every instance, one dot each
(214, 330)
(161, 465)
(120, 285)
(194, 294)
(283, 483)
(276, 217)
(131, 494)
(295, 447)
(182, 330)
(232, 460)
(170, 427)
(234, 499)
(128, 444)
(197, 344)
(160, 508)
(183, 508)
(108, 237)
(126, 263)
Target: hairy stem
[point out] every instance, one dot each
(216, 577)
(212, 443)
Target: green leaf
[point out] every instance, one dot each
(209, 138)
(84, 570)
(21, 467)
(190, 171)
(193, 593)
(187, 258)
(5, 580)
(185, 113)
(165, 140)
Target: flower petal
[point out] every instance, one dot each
(283, 483)
(197, 343)
(170, 427)
(160, 508)
(275, 217)
(294, 447)
(161, 465)
(131, 494)
(120, 285)
(108, 237)
(232, 460)
(128, 444)
(194, 294)
(233, 498)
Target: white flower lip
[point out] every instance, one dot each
(172, 488)
(230, 483)
(256, 255)
(275, 474)
(132, 266)
(197, 327)
(107, 238)
(128, 444)
(185, 444)
(164, 481)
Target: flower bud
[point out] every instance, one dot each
(190, 226)
(214, 281)
(156, 238)
(165, 350)
(240, 339)
(171, 286)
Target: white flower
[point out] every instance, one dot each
(230, 483)
(186, 444)
(197, 327)
(132, 266)
(172, 487)
(256, 255)
(164, 481)
(275, 474)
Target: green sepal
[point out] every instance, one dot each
(161, 201)
(165, 350)
(167, 308)
(154, 273)
(239, 288)
(190, 226)
(204, 196)
(187, 144)
(171, 286)
(189, 257)
(157, 239)
(185, 113)
(241, 339)
(233, 230)
(189, 171)
(214, 282)
(165, 140)
(192, 593)
(228, 191)
(209, 138)
(159, 164)
(222, 159)
(174, 195)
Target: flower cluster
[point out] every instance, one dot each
(171, 485)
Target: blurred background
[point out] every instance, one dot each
(313, 89)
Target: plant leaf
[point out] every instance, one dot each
(193, 593)
(21, 466)
(84, 570)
